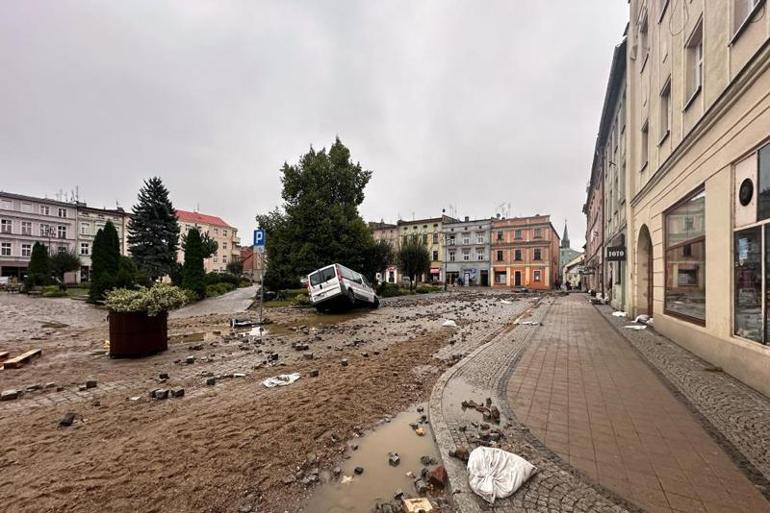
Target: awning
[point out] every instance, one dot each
(435, 270)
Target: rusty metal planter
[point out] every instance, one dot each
(136, 334)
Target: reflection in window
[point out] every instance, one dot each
(763, 196)
(748, 284)
(686, 259)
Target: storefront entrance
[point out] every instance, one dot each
(517, 279)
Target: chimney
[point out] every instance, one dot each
(467, 219)
(498, 215)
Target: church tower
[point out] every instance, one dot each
(565, 237)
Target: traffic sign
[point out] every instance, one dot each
(259, 238)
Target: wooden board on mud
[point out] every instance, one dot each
(18, 361)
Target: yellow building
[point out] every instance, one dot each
(225, 235)
(429, 232)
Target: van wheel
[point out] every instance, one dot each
(351, 298)
(376, 303)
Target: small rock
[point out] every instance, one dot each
(239, 375)
(163, 375)
(82, 387)
(9, 395)
(60, 389)
(211, 381)
(307, 356)
(438, 476)
(160, 394)
(336, 471)
(420, 431)
(461, 453)
(91, 383)
(134, 398)
(344, 362)
(67, 420)
(399, 494)
(421, 486)
(189, 360)
(427, 460)
(314, 373)
(358, 470)
(32, 388)
(177, 392)
(393, 459)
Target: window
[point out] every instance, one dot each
(84, 247)
(62, 212)
(435, 256)
(215, 259)
(45, 230)
(499, 256)
(517, 234)
(26, 227)
(466, 240)
(500, 235)
(224, 244)
(61, 231)
(45, 210)
(743, 10)
(466, 254)
(5, 249)
(480, 254)
(537, 254)
(479, 238)
(645, 145)
(216, 231)
(747, 295)
(501, 277)
(61, 249)
(6, 204)
(763, 185)
(26, 249)
(84, 228)
(435, 238)
(685, 294)
(224, 259)
(517, 255)
(451, 256)
(536, 275)
(224, 232)
(694, 64)
(665, 110)
(6, 226)
(644, 40)
(425, 238)
(451, 240)
(662, 4)
(538, 233)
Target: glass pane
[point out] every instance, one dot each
(686, 259)
(748, 284)
(763, 187)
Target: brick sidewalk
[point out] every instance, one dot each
(604, 429)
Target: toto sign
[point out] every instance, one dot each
(616, 253)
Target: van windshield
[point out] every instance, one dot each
(322, 276)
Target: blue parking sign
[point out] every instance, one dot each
(259, 237)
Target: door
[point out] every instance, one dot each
(485, 278)
(517, 279)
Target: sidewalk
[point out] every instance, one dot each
(604, 428)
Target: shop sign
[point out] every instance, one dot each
(616, 253)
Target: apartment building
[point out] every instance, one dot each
(430, 232)
(524, 252)
(698, 123)
(389, 233)
(25, 220)
(467, 251)
(225, 235)
(89, 221)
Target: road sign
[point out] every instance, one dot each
(259, 238)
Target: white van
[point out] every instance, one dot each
(336, 284)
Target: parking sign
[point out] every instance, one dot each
(259, 239)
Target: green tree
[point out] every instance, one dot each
(319, 223)
(209, 246)
(39, 270)
(235, 267)
(413, 259)
(128, 274)
(64, 262)
(380, 257)
(193, 274)
(105, 262)
(153, 230)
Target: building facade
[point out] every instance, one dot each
(390, 234)
(430, 233)
(524, 252)
(91, 220)
(225, 235)
(467, 252)
(571, 276)
(698, 161)
(25, 220)
(566, 253)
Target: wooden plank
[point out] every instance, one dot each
(3, 355)
(18, 361)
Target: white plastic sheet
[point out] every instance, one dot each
(449, 324)
(496, 474)
(642, 319)
(282, 380)
(636, 327)
(619, 314)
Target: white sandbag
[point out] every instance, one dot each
(282, 380)
(506, 302)
(496, 474)
(619, 314)
(449, 324)
(636, 327)
(642, 319)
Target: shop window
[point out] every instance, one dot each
(536, 275)
(748, 284)
(501, 277)
(763, 187)
(686, 268)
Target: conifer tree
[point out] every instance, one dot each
(193, 273)
(39, 270)
(105, 262)
(153, 230)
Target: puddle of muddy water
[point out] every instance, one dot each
(379, 480)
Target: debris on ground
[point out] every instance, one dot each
(241, 323)
(281, 380)
(418, 505)
(619, 314)
(530, 323)
(9, 395)
(22, 359)
(643, 319)
(637, 327)
(393, 459)
(497, 474)
(67, 420)
(448, 323)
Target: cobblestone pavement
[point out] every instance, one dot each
(26, 317)
(235, 301)
(603, 429)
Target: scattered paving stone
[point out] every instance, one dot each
(134, 398)
(163, 375)
(358, 470)
(399, 494)
(211, 381)
(344, 362)
(307, 356)
(420, 486)
(196, 347)
(393, 459)
(314, 373)
(91, 383)
(239, 375)
(189, 360)
(160, 394)
(9, 395)
(60, 389)
(420, 431)
(67, 420)
(438, 477)
(50, 385)
(427, 460)
(177, 392)
(82, 387)
(336, 471)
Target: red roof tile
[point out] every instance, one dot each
(198, 218)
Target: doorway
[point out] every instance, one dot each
(485, 278)
(644, 268)
(517, 279)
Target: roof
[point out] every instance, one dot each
(442, 219)
(380, 225)
(198, 218)
(44, 200)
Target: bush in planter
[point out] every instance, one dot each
(158, 298)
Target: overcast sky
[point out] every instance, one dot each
(464, 105)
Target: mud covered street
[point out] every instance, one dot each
(233, 445)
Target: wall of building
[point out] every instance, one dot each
(90, 221)
(524, 235)
(430, 232)
(467, 252)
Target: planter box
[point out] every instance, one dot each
(135, 334)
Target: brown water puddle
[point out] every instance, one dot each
(353, 493)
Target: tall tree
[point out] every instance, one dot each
(193, 273)
(413, 259)
(319, 223)
(105, 262)
(153, 230)
(209, 246)
(62, 263)
(39, 270)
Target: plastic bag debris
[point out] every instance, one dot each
(642, 319)
(448, 323)
(506, 302)
(618, 314)
(636, 327)
(282, 380)
(496, 474)
(240, 323)
(529, 323)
